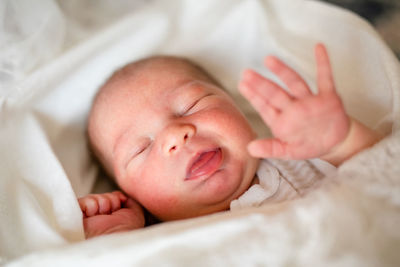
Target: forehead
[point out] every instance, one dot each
(148, 93)
(154, 78)
(150, 90)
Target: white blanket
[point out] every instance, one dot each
(52, 64)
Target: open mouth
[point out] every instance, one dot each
(204, 164)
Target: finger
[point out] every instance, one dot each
(103, 203)
(324, 70)
(115, 201)
(268, 148)
(89, 205)
(266, 89)
(298, 87)
(82, 203)
(133, 205)
(121, 196)
(268, 113)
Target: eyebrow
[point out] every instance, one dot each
(189, 84)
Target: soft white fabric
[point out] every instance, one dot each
(283, 180)
(53, 60)
(352, 222)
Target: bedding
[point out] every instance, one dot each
(55, 56)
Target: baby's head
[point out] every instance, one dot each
(172, 138)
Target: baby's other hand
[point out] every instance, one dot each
(304, 125)
(110, 212)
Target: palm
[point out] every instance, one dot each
(311, 127)
(304, 125)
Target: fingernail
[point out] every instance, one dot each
(252, 148)
(271, 61)
(246, 74)
(242, 87)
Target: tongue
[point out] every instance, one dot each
(204, 158)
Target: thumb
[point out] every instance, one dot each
(269, 148)
(133, 205)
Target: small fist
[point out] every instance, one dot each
(110, 212)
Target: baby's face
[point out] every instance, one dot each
(175, 143)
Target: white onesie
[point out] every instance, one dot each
(281, 180)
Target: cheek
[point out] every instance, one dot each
(229, 123)
(155, 187)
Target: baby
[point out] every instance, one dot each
(175, 142)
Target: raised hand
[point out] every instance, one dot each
(304, 125)
(110, 212)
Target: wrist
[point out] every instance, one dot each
(359, 137)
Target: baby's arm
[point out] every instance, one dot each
(109, 213)
(358, 138)
(304, 125)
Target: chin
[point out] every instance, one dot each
(224, 187)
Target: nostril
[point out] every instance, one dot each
(172, 149)
(186, 137)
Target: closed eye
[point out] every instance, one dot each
(192, 105)
(138, 151)
(141, 150)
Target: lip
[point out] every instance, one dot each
(204, 164)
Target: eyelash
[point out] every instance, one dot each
(194, 104)
(141, 149)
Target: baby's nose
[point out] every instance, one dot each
(176, 137)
